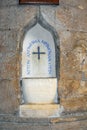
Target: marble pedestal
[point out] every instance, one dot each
(40, 98)
(40, 91)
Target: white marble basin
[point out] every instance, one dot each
(40, 91)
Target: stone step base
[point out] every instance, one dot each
(77, 125)
(40, 111)
(66, 122)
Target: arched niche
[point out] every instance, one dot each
(40, 64)
(39, 55)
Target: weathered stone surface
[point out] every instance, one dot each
(66, 17)
(8, 41)
(9, 66)
(40, 124)
(80, 125)
(40, 111)
(15, 16)
(72, 88)
(9, 96)
(74, 3)
(22, 126)
(4, 18)
(73, 55)
(69, 88)
(5, 3)
(70, 18)
(75, 103)
(70, 21)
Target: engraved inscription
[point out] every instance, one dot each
(38, 53)
(38, 56)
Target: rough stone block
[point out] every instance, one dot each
(70, 18)
(64, 123)
(15, 16)
(69, 88)
(4, 18)
(9, 66)
(8, 3)
(23, 126)
(65, 17)
(9, 99)
(8, 40)
(75, 103)
(80, 125)
(74, 3)
(72, 88)
(73, 55)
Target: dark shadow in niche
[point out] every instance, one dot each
(39, 19)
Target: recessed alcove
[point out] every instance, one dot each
(40, 71)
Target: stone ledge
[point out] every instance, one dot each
(80, 125)
(4, 118)
(40, 111)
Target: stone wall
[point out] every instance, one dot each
(70, 21)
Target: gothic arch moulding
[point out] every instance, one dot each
(41, 21)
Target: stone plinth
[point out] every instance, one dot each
(40, 111)
(40, 91)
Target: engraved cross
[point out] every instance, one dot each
(38, 52)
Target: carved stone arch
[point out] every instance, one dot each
(49, 83)
(39, 19)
